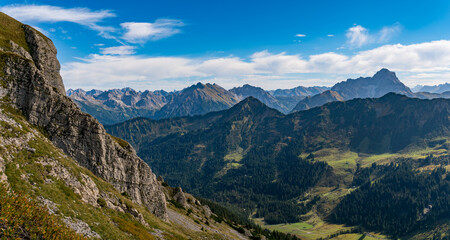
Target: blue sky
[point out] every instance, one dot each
(273, 44)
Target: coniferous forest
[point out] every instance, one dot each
(400, 201)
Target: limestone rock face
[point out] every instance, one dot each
(43, 53)
(35, 87)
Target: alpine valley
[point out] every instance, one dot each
(312, 166)
(367, 158)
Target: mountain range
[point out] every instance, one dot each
(118, 105)
(114, 106)
(441, 88)
(263, 161)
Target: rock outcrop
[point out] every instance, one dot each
(43, 53)
(179, 197)
(32, 82)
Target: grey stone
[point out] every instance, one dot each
(207, 211)
(15, 48)
(180, 197)
(80, 227)
(43, 53)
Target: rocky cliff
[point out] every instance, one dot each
(30, 78)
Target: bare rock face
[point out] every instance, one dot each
(43, 53)
(35, 87)
(15, 48)
(86, 188)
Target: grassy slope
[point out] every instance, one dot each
(11, 30)
(27, 176)
(25, 163)
(21, 217)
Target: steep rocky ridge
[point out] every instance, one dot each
(43, 53)
(30, 84)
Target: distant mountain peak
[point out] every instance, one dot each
(251, 106)
(196, 100)
(199, 84)
(384, 81)
(385, 71)
(392, 96)
(318, 100)
(251, 100)
(248, 90)
(385, 74)
(127, 89)
(247, 86)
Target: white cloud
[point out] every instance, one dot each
(46, 13)
(357, 36)
(156, 72)
(134, 32)
(52, 14)
(119, 50)
(300, 35)
(265, 62)
(330, 35)
(386, 33)
(141, 32)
